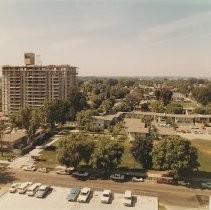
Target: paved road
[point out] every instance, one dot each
(167, 194)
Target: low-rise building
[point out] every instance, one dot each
(104, 121)
(136, 129)
(165, 131)
(13, 140)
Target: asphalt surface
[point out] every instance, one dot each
(167, 194)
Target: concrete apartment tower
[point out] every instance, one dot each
(30, 85)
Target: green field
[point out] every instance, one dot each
(6, 155)
(49, 158)
(204, 154)
(162, 207)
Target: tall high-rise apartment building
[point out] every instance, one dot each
(31, 85)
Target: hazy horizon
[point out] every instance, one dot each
(110, 38)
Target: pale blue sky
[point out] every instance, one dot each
(108, 37)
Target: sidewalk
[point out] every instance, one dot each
(27, 159)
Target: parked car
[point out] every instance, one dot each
(42, 170)
(117, 177)
(166, 180)
(80, 174)
(63, 172)
(84, 195)
(183, 183)
(43, 190)
(29, 168)
(14, 187)
(206, 185)
(41, 147)
(106, 196)
(23, 187)
(128, 198)
(73, 193)
(33, 189)
(137, 179)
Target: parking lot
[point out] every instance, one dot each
(56, 199)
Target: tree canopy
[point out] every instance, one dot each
(175, 154)
(141, 151)
(108, 154)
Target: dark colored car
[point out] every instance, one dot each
(80, 174)
(117, 177)
(73, 194)
(42, 192)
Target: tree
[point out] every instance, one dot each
(84, 119)
(147, 120)
(97, 100)
(144, 107)
(157, 94)
(166, 96)
(2, 128)
(55, 112)
(175, 154)
(68, 153)
(202, 95)
(132, 100)
(28, 119)
(158, 107)
(118, 91)
(75, 148)
(174, 108)
(108, 154)
(141, 151)
(106, 105)
(77, 102)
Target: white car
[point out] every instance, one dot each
(42, 170)
(33, 189)
(136, 179)
(63, 172)
(206, 185)
(128, 198)
(29, 168)
(183, 183)
(106, 196)
(14, 187)
(84, 195)
(23, 187)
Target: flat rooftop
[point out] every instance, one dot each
(108, 117)
(166, 131)
(14, 136)
(135, 126)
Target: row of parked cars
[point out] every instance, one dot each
(31, 189)
(84, 194)
(87, 175)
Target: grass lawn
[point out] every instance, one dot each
(6, 155)
(49, 158)
(204, 153)
(127, 158)
(162, 207)
(188, 104)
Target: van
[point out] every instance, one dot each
(33, 189)
(23, 187)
